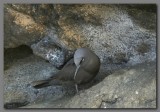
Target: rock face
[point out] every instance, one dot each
(121, 35)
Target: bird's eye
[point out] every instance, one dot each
(82, 60)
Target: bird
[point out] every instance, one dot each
(81, 69)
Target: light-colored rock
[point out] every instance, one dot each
(51, 49)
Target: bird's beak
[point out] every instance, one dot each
(78, 62)
(77, 68)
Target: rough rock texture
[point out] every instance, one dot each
(20, 29)
(41, 13)
(119, 34)
(133, 87)
(49, 49)
(109, 30)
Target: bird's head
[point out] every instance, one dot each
(80, 56)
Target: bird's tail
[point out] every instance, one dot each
(40, 84)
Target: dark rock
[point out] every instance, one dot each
(14, 105)
(13, 54)
(144, 15)
(147, 7)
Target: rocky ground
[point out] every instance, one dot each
(130, 87)
(40, 38)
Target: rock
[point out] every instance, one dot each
(51, 49)
(15, 99)
(144, 15)
(20, 29)
(17, 79)
(41, 13)
(144, 7)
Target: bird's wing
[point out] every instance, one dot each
(67, 73)
(40, 84)
(64, 76)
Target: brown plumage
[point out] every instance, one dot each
(79, 70)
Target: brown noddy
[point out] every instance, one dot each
(80, 70)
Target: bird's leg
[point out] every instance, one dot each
(76, 87)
